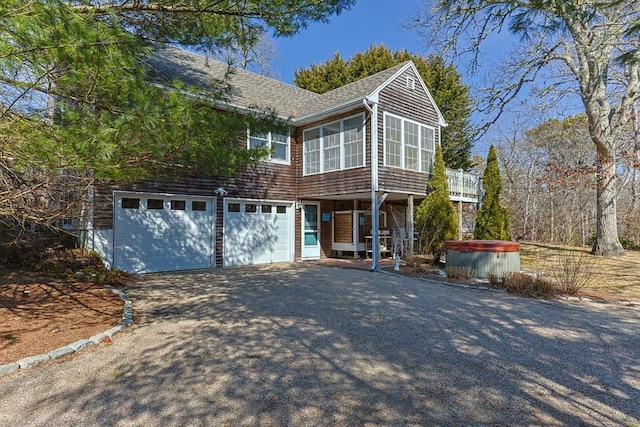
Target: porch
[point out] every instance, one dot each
(463, 186)
(348, 230)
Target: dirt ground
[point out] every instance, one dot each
(38, 314)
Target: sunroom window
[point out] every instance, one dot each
(353, 143)
(411, 134)
(331, 146)
(312, 151)
(408, 144)
(393, 141)
(427, 148)
(334, 146)
(277, 142)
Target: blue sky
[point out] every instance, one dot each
(367, 23)
(374, 22)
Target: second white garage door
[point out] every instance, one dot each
(257, 232)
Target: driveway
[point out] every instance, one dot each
(309, 345)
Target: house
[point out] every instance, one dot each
(345, 181)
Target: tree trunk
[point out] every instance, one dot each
(607, 243)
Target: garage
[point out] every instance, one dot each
(257, 232)
(155, 232)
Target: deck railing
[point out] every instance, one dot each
(463, 186)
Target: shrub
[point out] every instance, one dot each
(573, 271)
(414, 262)
(460, 272)
(22, 254)
(493, 219)
(528, 285)
(495, 280)
(81, 264)
(435, 218)
(629, 243)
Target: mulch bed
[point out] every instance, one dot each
(40, 314)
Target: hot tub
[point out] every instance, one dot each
(484, 257)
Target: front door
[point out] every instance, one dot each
(310, 230)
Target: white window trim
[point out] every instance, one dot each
(411, 83)
(342, 151)
(269, 145)
(404, 120)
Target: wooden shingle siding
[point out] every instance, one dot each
(325, 231)
(335, 182)
(415, 104)
(402, 181)
(262, 180)
(297, 232)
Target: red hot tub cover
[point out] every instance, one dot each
(482, 246)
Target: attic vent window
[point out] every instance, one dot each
(411, 83)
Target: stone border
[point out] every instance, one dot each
(27, 362)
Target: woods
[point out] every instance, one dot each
(586, 48)
(549, 183)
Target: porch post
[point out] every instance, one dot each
(410, 224)
(375, 231)
(459, 219)
(355, 231)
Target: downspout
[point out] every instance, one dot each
(375, 209)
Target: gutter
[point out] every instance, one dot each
(375, 209)
(309, 118)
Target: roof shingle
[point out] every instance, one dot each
(251, 90)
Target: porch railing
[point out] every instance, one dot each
(463, 186)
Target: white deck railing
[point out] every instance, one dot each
(463, 186)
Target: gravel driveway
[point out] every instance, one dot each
(309, 345)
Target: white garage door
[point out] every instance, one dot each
(162, 233)
(257, 232)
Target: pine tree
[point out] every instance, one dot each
(492, 222)
(435, 219)
(75, 94)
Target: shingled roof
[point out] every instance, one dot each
(351, 92)
(251, 90)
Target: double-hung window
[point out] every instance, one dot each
(427, 148)
(408, 144)
(312, 143)
(411, 143)
(334, 146)
(353, 143)
(278, 144)
(331, 146)
(393, 141)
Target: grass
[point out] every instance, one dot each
(618, 277)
